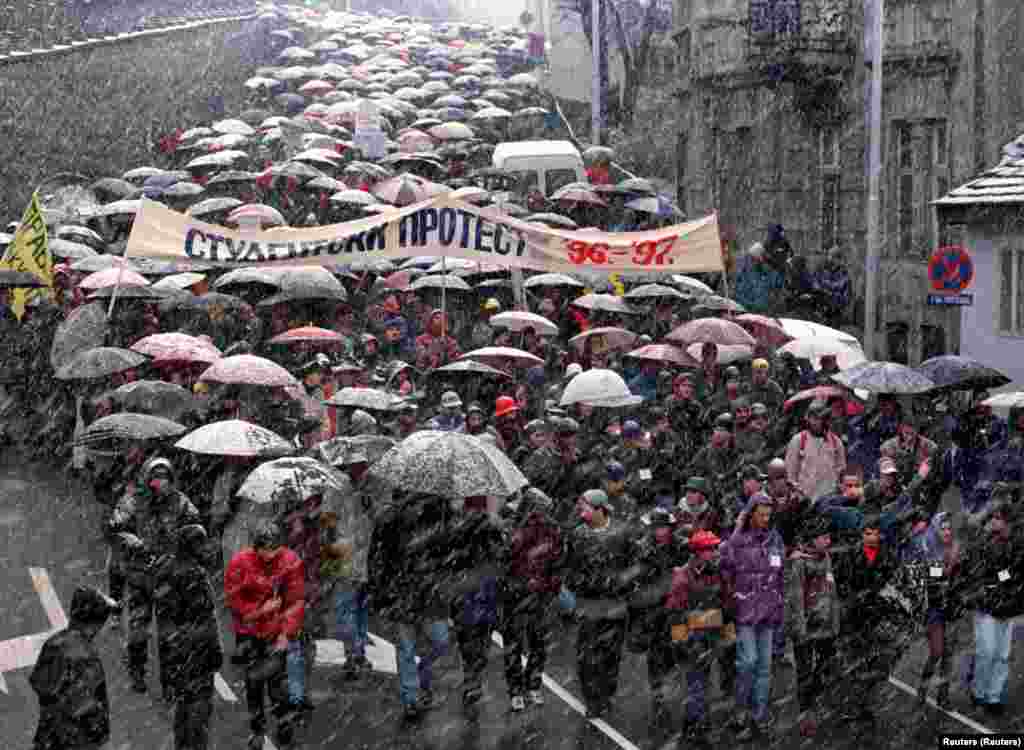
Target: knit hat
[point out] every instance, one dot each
(90, 606)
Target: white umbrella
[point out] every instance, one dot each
(803, 329)
(517, 321)
(551, 279)
(599, 388)
(815, 348)
(727, 353)
(692, 285)
(498, 355)
(287, 480)
(235, 437)
(179, 280)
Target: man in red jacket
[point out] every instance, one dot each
(264, 589)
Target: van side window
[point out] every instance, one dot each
(559, 178)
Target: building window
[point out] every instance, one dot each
(829, 210)
(940, 173)
(769, 17)
(906, 213)
(1011, 292)
(940, 145)
(829, 147)
(904, 147)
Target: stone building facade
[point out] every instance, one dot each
(772, 95)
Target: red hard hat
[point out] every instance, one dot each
(505, 405)
(704, 540)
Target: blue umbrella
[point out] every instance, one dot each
(155, 186)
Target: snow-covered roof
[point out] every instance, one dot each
(1002, 184)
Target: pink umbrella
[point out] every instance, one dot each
(117, 276)
(412, 141)
(307, 334)
(664, 353)
(316, 87)
(267, 215)
(714, 330)
(166, 348)
(247, 369)
(765, 329)
(606, 338)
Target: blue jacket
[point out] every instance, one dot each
(644, 385)
(756, 286)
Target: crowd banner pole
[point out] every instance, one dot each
(117, 286)
(444, 298)
(517, 289)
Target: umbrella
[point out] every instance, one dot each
(1010, 400)
(117, 276)
(327, 184)
(99, 362)
(578, 195)
(353, 198)
(598, 153)
(168, 348)
(247, 369)
(243, 276)
(655, 205)
(714, 330)
(83, 235)
(447, 281)
(449, 464)
(764, 329)
(470, 367)
(555, 221)
(452, 131)
(235, 437)
(691, 285)
(85, 328)
(961, 373)
(113, 188)
(130, 426)
(884, 377)
(307, 334)
(551, 279)
(100, 262)
(606, 338)
(653, 291)
(597, 387)
(638, 185)
(498, 355)
(291, 480)
(266, 215)
(154, 397)
(803, 329)
(605, 303)
(133, 292)
(666, 353)
(813, 349)
(179, 281)
(820, 393)
(19, 279)
(306, 283)
(517, 321)
(336, 452)
(363, 398)
(713, 303)
(213, 205)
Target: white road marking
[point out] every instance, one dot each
(574, 703)
(48, 597)
(965, 720)
(381, 653)
(228, 694)
(23, 651)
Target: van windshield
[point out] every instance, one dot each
(559, 178)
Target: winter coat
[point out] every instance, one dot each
(815, 463)
(993, 575)
(706, 517)
(599, 570)
(757, 287)
(186, 619)
(303, 538)
(536, 555)
(860, 586)
(752, 566)
(475, 561)
(249, 583)
(68, 677)
(154, 520)
(408, 562)
(789, 515)
(769, 393)
(648, 610)
(812, 601)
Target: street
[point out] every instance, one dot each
(50, 533)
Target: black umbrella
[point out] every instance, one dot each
(154, 397)
(99, 362)
(86, 327)
(961, 373)
(130, 426)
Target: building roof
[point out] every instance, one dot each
(999, 185)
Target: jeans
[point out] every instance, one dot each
(352, 619)
(413, 677)
(754, 645)
(300, 660)
(992, 640)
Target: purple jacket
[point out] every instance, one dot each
(752, 566)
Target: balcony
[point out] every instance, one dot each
(808, 35)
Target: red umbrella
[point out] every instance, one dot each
(764, 329)
(664, 353)
(820, 392)
(714, 330)
(247, 369)
(167, 348)
(307, 334)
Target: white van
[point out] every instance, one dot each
(544, 165)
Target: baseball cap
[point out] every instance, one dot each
(887, 466)
(616, 471)
(760, 364)
(492, 304)
(451, 400)
(630, 429)
(597, 499)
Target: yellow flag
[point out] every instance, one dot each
(29, 251)
(616, 281)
